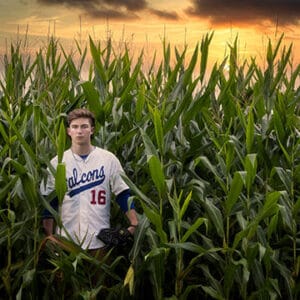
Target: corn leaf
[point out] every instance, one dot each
(60, 181)
(234, 191)
(157, 174)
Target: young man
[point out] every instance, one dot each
(92, 175)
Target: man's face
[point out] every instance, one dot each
(80, 131)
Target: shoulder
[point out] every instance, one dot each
(105, 153)
(108, 157)
(67, 154)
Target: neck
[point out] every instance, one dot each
(82, 149)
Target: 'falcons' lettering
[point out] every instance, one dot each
(93, 175)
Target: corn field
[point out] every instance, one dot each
(211, 156)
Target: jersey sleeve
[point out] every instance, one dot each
(47, 186)
(123, 199)
(117, 183)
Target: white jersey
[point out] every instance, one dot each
(86, 205)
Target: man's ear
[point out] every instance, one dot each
(92, 130)
(68, 131)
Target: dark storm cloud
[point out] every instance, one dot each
(246, 11)
(132, 5)
(99, 9)
(113, 9)
(164, 14)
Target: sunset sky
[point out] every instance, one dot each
(145, 23)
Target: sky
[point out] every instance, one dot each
(145, 23)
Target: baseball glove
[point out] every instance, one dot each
(115, 237)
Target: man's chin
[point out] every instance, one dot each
(80, 141)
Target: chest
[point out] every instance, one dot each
(81, 173)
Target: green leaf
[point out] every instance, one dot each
(205, 42)
(19, 168)
(251, 169)
(192, 247)
(6, 189)
(149, 146)
(140, 195)
(4, 134)
(60, 181)
(286, 215)
(140, 103)
(272, 227)
(126, 93)
(158, 128)
(157, 174)
(270, 208)
(205, 161)
(183, 106)
(215, 216)
(278, 124)
(61, 141)
(235, 191)
(30, 190)
(23, 142)
(193, 228)
(185, 205)
(284, 176)
(155, 218)
(296, 207)
(99, 68)
(93, 100)
(250, 132)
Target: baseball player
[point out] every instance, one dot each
(92, 176)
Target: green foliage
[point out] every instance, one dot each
(211, 156)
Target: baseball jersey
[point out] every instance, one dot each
(90, 183)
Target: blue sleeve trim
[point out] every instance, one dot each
(46, 214)
(122, 200)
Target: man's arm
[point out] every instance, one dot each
(48, 225)
(47, 188)
(47, 217)
(133, 220)
(128, 209)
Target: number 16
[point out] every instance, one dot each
(101, 197)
